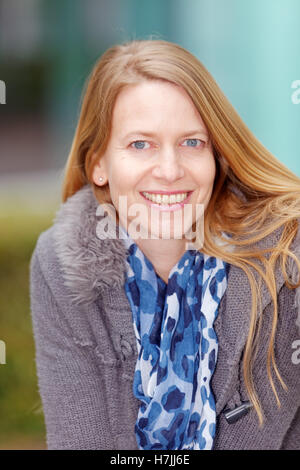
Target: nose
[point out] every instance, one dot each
(168, 166)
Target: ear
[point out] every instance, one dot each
(99, 173)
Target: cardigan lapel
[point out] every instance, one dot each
(231, 327)
(232, 324)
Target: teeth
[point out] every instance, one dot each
(165, 198)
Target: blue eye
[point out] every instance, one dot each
(193, 142)
(139, 144)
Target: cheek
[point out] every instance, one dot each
(207, 173)
(212, 168)
(122, 178)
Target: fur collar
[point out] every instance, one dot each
(90, 264)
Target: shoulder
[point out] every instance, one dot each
(44, 253)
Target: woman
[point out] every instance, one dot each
(149, 336)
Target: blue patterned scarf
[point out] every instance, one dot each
(177, 348)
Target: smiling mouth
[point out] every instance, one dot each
(166, 199)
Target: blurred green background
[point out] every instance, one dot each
(47, 49)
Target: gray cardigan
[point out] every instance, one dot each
(86, 348)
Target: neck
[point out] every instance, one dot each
(163, 254)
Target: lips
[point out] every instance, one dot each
(168, 192)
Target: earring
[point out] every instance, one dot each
(100, 179)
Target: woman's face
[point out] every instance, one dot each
(159, 156)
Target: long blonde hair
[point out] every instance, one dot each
(268, 193)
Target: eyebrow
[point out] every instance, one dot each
(151, 134)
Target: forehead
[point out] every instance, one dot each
(155, 103)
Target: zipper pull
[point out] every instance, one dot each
(234, 415)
